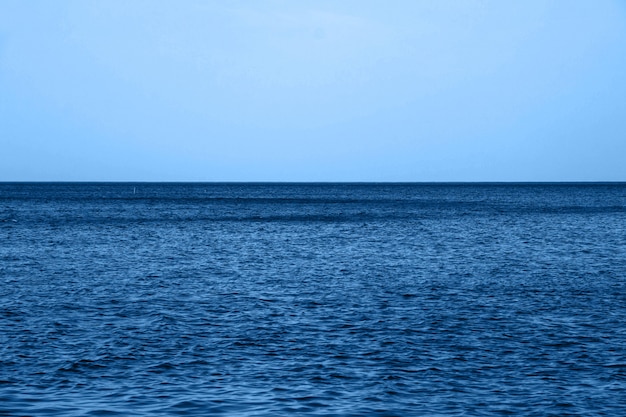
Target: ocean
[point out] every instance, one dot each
(194, 299)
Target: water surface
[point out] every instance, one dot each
(312, 299)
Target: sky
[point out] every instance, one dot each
(352, 90)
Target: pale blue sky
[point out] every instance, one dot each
(469, 90)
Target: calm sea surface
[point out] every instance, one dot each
(312, 299)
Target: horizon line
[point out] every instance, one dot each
(307, 182)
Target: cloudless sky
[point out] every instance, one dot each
(353, 90)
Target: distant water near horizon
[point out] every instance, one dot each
(193, 299)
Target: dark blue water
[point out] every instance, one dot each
(319, 299)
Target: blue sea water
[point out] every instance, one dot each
(312, 299)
